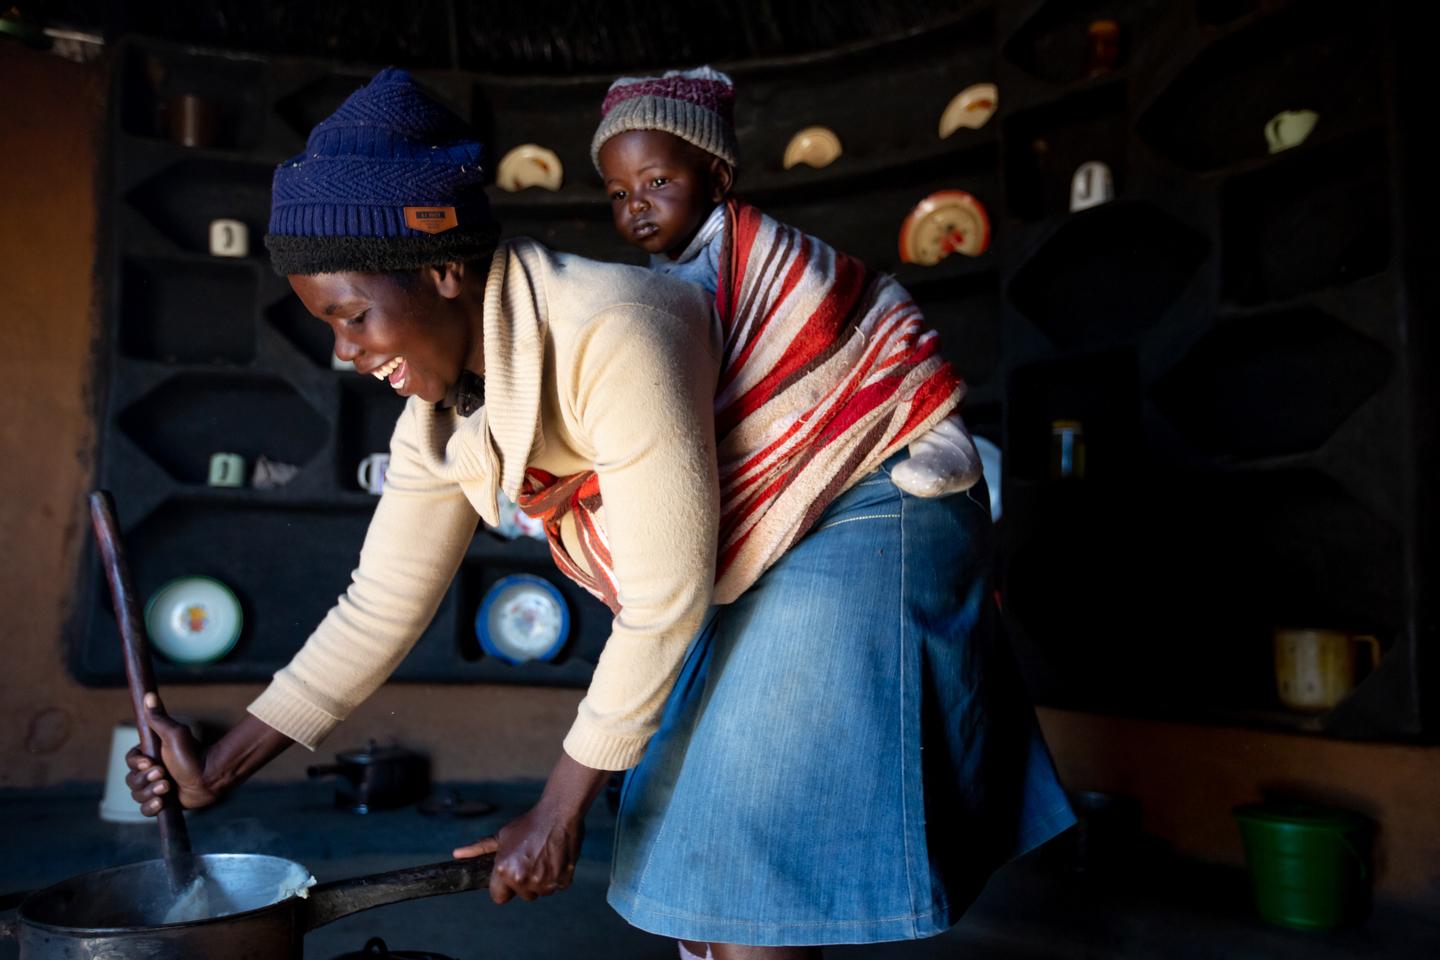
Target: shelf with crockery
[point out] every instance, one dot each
(1220, 346)
(235, 450)
(1314, 65)
(1200, 521)
(525, 623)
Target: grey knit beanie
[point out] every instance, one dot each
(698, 106)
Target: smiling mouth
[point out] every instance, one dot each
(393, 370)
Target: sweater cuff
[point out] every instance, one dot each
(587, 744)
(286, 711)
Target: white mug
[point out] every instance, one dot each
(371, 474)
(229, 238)
(1091, 186)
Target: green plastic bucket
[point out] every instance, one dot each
(1308, 865)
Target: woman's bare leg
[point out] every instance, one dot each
(730, 951)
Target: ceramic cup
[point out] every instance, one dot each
(117, 806)
(1315, 669)
(229, 238)
(1289, 128)
(1104, 38)
(1091, 186)
(191, 120)
(371, 474)
(226, 470)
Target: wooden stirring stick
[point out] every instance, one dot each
(174, 837)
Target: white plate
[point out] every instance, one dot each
(946, 222)
(530, 165)
(523, 618)
(193, 620)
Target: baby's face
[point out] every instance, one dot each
(661, 188)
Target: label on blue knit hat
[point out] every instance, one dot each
(431, 219)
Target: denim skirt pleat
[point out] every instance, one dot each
(849, 752)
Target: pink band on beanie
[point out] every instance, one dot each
(698, 106)
(714, 95)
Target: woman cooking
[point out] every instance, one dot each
(825, 742)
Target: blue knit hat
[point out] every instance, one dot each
(390, 181)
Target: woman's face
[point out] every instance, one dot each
(407, 329)
(661, 188)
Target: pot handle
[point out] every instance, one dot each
(331, 901)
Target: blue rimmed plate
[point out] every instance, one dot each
(523, 618)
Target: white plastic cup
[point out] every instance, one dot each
(117, 806)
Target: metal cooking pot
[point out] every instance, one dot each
(119, 913)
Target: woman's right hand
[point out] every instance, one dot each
(181, 767)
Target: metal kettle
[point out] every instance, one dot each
(377, 778)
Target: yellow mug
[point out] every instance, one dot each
(1315, 669)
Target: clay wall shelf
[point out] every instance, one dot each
(1236, 331)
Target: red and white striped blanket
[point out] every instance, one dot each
(827, 370)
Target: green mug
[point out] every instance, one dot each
(227, 470)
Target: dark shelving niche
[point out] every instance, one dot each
(190, 416)
(1083, 592)
(1247, 553)
(1101, 390)
(1245, 427)
(966, 312)
(589, 618)
(1322, 556)
(1053, 44)
(232, 84)
(1314, 56)
(316, 100)
(286, 564)
(187, 311)
(872, 233)
(183, 199)
(368, 411)
(302, 330)
(1272, 384)
(923, 75)
(1044, 146)
(1107, 273)
(1315, 220)
(1218, 13)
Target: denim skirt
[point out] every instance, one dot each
(849, 752)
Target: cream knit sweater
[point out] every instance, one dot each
(587, 366)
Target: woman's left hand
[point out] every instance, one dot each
(535, 855)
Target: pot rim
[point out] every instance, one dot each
(22, 916)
